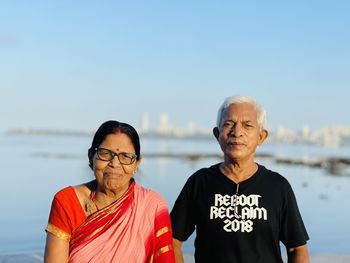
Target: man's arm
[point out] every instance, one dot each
(179, 257)
(298, 254)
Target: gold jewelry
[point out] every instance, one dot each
(91, 205)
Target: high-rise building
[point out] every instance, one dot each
(144, 122)
(164, 126)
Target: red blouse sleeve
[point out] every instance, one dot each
(66, 214)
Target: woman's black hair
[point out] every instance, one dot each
(111, 127)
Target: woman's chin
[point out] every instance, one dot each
(116, 183)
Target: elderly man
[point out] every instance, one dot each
(240, 209)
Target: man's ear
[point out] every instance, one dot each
(262, 136)
(216, 133)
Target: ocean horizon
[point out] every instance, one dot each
(36, 167)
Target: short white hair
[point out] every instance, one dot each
(261, 113)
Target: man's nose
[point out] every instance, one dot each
(236, 130)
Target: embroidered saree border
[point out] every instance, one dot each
(163, 250)
(57, 232)
(162, 231)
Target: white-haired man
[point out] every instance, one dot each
(241, 210)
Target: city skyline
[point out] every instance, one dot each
(328, 136)
(164, 124)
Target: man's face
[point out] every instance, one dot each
(239, 132)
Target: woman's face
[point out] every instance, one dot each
(112, 176)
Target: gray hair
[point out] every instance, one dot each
(261, 113)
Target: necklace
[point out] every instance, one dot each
(91, 205)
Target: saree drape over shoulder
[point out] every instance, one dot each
(135, 228)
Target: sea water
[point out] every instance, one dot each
(34, 168)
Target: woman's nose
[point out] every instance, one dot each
(114, 162)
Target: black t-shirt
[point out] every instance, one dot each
(238, 223)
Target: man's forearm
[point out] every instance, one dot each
(298, 255)
(179, 258)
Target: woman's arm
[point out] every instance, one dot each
(56, 249)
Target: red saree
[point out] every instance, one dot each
(135, 228)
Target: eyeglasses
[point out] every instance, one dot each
(108, 155)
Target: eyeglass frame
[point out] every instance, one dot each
(114, 154)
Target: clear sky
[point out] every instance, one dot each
(74, 64)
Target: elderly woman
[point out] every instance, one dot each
(112, 218)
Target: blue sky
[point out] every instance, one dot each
(75, 64)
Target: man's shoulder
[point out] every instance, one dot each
(205, 170)
(203, 178)
(272, 175)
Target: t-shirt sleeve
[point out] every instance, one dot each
(293, 231)
(182, 214)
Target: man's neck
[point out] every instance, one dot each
(238, 172)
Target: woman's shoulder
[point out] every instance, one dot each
(77, 194)
(83, 191)
(66, 191)
(81, 188)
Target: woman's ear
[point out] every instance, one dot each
(216, 133)
(91, 157)
(138, 162)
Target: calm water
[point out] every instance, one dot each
(34, 168)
